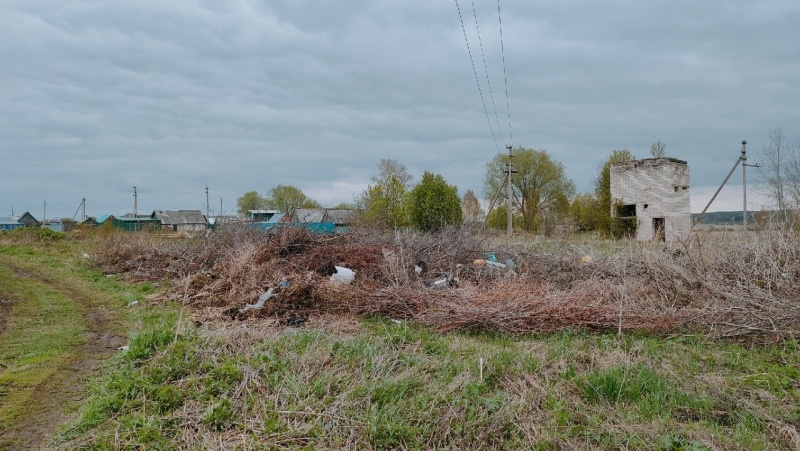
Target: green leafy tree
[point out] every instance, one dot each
(602, 188)
(385, 201)
(250, 201)
(471, 207)
(498, 219)
(287, 198)
(541, 190)
(585, 211)
(434, 204)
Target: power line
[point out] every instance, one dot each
(486, 70)
(477, 81)
(505, 77)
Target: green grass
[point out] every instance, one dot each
(46, 325)
(43, 327)
(399, 386)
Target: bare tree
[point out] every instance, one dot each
(658, 149)
(780, 171)
(471, 207)
(388, 168)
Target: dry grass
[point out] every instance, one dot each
(721, 288)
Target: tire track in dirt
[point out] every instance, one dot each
(34, 429)
(5, 308)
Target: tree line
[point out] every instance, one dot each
(543, 197)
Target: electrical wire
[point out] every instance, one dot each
(505, 77)
(486, 70)
(477, 80)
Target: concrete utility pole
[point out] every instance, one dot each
(744, 183)
(509, 226)
(135, 202)
(744, 186)
(83, 209)
(44, 219)
(207, 202)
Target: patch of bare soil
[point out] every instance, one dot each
(47, 411)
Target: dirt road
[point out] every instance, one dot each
(48, 409)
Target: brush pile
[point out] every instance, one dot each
(442, 280)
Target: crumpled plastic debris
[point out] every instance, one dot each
(447, 281)
(343, 275)
(261, 301)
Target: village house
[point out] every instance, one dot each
(180, 220)
(15, 222)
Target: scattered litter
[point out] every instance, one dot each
(123, 348)
(479, 262)
(132, 303)
(343, 275)
(447, 281)
(283, 283)
(420, 267)
(397, 321)
(586, 259)
(296, 321)
(85, 255)
(496, 265)
(261, 300)
(490, 257)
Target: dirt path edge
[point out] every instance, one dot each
(35, 429)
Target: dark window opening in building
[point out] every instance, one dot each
(625, 223)
(627, 211)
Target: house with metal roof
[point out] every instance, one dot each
(10, 223)
(129, 224)
(15, 222)
(308, 215)
(181, 220)
(261, 215)
(332, 220)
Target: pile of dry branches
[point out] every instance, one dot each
(720, 289)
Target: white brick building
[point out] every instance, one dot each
(656, 192)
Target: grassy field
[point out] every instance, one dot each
(386, 385)
(341, 382)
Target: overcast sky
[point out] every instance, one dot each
(99, 96)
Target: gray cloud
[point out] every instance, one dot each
(100, 96)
